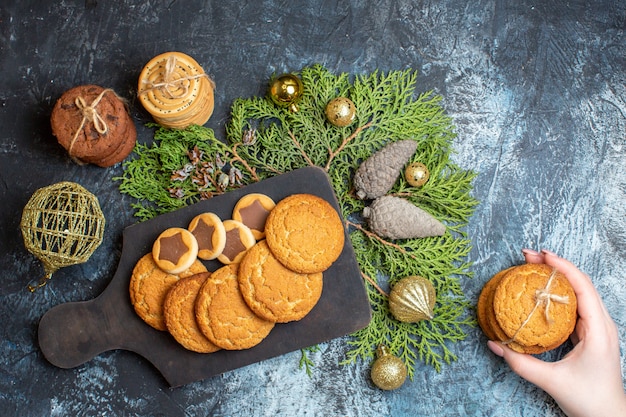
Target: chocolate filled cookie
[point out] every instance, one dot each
(210, 234)
(239, 239)
(252, 210)
(175, 250)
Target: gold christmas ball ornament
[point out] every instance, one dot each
(388, 371)
(286, 90)
(412, 299)
(62, 225)
(416, 174)
(341, 111)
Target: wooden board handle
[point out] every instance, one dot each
(71, 334)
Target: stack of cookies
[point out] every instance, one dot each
(175, 90)
(276, 277)
(531, 308)
(93, 125)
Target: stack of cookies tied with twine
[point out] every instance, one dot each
(176, 91)
(92, 123)
(531, 308)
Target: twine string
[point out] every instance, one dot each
(90, 114)
(542, 297)
(170, 82)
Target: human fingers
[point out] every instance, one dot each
(532, 257)
(580, 282)
(590, 304)
(528, 367)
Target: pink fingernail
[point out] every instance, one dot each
(530, 252)
(547, 252)
(495, 348)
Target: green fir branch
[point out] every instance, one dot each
(305, 362)
(264, 140)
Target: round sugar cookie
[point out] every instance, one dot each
(239, 239)
(484, 308)
(210, 234)
(274, 292)
(175, 250)
(224, 317)
(180, 314)
(526, 321)
(149, 286)
(252, 210)
(305, 233)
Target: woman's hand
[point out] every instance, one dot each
(588, 380)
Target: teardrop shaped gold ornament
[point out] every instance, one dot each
(388, 371)
(412, 299)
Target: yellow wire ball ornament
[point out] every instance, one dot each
(62, 225)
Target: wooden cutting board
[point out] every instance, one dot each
(73, 333)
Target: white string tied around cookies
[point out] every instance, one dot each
(169, 81)
(90, 114)
(542, 297)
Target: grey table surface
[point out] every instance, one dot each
(537, 92)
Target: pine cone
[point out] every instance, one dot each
(396, 218)
(379, 172)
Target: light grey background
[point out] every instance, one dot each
(536, 90)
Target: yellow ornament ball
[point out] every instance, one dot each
(416, 174)
(341, 111)
(388, 371)
(286, 90)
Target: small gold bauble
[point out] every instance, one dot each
(286, 90)
(341, 111)
(388, 371)
(416, 174)
(412, 299)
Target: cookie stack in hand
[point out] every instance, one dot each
(93, 125)
(531, 308)
(275, 279)
(175, 90)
